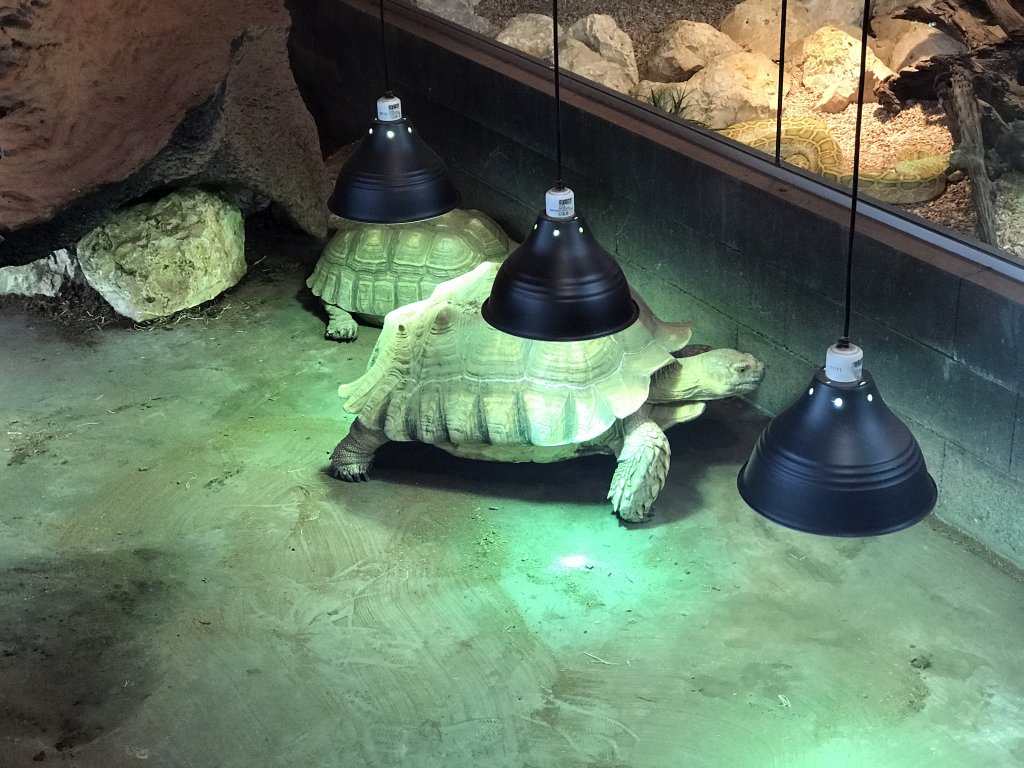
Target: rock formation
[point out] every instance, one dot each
(155, 259)
(106, 101)
(685, 47)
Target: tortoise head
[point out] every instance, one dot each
(709, 375)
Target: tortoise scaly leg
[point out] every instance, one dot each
(353, 456)
(341, 326)
(642, 468)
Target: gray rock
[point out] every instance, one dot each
(921, 43)
(42, 277)
(754, 24)
(601, 34)
(837, 13)
(461, 12)
(155, 259)
(831, 68)
(685, 47)
(594, 47)
(732, 88)
(581, 60)
(529, 33)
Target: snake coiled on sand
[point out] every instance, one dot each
(806, 143)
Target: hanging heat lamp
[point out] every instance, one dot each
(837, 461)
(393, 176)
(560, 284)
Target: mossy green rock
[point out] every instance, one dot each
(155, 259)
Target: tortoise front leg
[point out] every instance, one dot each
(341, 326)
(353, 456)
(642, 468)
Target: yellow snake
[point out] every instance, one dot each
(806, 143)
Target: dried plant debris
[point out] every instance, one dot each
(77, 311)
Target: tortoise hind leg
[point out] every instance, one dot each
(353, 456)
(341, 326)
(642, 469)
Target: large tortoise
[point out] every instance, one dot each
(367, 270)
(441, 375)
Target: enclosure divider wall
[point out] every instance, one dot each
(754, 255)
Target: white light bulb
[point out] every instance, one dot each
(838, 402)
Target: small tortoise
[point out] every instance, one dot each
(367, 270)
(441, 375)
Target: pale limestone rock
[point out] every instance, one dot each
(685, 47)
(731, 89)
(754, 24)
(601, 34)
(594, 47)
(155, 259)
(837, 13)
(461, 12)
(578, 58)
(921, 43)
(831, 63)
(837, 97)
(529, 33)
(42, 277)
(887, 33)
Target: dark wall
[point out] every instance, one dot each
(755, 256)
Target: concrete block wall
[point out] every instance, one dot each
(755, 261)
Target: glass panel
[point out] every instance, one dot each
(938, 78)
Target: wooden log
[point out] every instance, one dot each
(957, 95)
(1006, 17)
(954, 20)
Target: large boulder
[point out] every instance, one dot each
(580, 59)
(831, 69)
(754, 24)
(461, 12)
(837, 13)
(685, 47)
(529, 33)
(732, 88)
(594, 47)
(919, 43)
(106, 101)
(600, 33)
(155, 259)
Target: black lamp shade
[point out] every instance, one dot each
(838, 462)
(393, 177)
(560, 285)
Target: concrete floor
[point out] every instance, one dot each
(181, 584)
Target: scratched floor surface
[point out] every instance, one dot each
(182, 584)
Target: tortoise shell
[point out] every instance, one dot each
(440, 374)
(370, 269)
